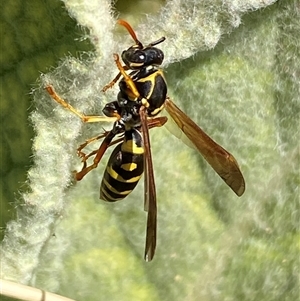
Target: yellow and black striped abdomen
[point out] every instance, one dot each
(124, 168)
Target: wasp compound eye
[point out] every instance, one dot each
(136, 58)
(133, 58)
(154, 56)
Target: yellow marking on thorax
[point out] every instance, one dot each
(157, 110)
(152, 76)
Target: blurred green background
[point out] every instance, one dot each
(35, 35)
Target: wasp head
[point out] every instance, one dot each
(138, 56)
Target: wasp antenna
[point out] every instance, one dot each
(157, 42)
(131, 31)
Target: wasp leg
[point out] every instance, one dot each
(132, 90)
(152, 123)
(112, 83)
(94, 152)
(85, 156)
(127, 78)
(84, 118)
(99, 154)
(88, 141)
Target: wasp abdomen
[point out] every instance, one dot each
(124, 169)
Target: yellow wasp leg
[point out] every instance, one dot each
(81, 154)
(132, 90)
(112, 83)
(127, 78)
(84, 118)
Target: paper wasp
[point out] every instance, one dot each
(142, 95)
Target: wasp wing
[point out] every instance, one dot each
(220, 160)
(150, 193)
